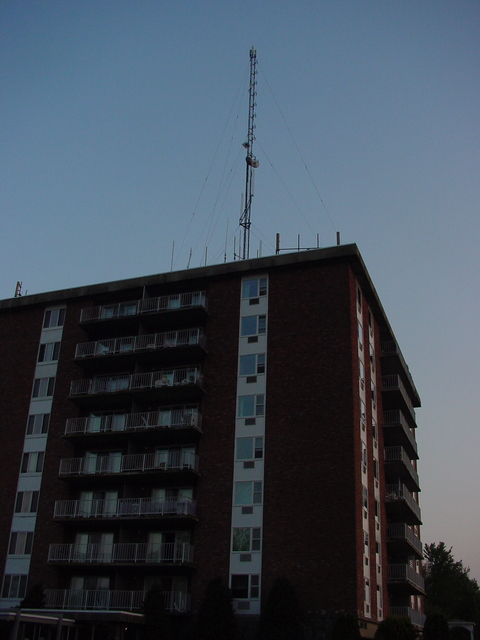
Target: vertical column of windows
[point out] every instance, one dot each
(247, 510)
(22, 530)
(364, 465)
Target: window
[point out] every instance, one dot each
(14, 586)
(38, 424)
(250, 406)
(360, 335)
(20, 543)
(250, 448)
(374, 429)
(375, 469)
(254, 288)
(246, 539)
(374, 392)
(43, 387)
(253, 364)
(32, 462)
(359, 299)
(253, 325)
(363, 414)
(361, 367)
(248, 493)
(372, 357)
(49, 352)
(364, 457)
(365, 497)
(245, 586)
(27, 502)
(54, 318)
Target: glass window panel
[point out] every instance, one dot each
(249, 325)
(243, 493)
(250, 288)
(246, 406)
(248, 365)
(240, 586)
(241, 539)
(244, 448)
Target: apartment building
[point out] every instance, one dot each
(248, 420)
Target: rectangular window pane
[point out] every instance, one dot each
(260, 405)
(243, 493)
(241, 539)
(262, 324)
(250, 288)
(248, 365)
(246, 406)
(258, 448)
(249, 325)
(38, 423)
(257, 493)
(240, 586)
(244, 448)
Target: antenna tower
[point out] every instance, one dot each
(251, 160)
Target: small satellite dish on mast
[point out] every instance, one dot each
(251, 160)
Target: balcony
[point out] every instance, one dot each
(181, 418)
(103, 599)
(397, 432)
(401, 506)
(179, 302)
(389, 350)
(398, 466)
(125, 508)
(130, 463)
(172, 344)
(163, 384)
(417, 618)
(122, 553)
(404, 576)
(395, 395)
(402, 540)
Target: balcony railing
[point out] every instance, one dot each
(391, 348)
(393, 382)
(417, 618)
(175, 601)
(396, 417)
(181, 418)
(400, 493)
(400, 531)
(403, 573)
(134, 344)
(133, 462)
(398, 454)
(137, 382)
(131, 553)
(147, 305)
(125, 508)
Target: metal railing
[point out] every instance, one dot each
(143, 552)
(396, 492)
(147, 305)
(417, 618)
(389, 348)
(133, 344)
(405, 573)
(137, 381)
(125, 507)
(395, 417)
(180, 418)
(398, 454)
(400, 531)
(395, 382)
(155, 461)
(175, 601)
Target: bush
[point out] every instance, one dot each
(346, 627)
(395, 628)
(280, 618)
(215, 618)
(436, 627)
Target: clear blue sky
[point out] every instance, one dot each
(120, 133)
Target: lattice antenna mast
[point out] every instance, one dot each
(251, 160)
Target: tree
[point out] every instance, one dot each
(215, 618)
(395, 628)
(346, 627)
(436, 627)
(449, 589)
(280, 618)
(157, 623)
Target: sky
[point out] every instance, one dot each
(121, 131)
